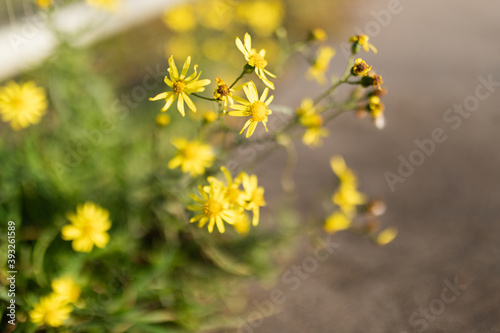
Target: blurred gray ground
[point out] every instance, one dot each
(447, 212)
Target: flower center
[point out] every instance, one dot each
(189, 152)
(256, 60)
(212, 208)
(179, 86)
(223, 90)
(258, 109)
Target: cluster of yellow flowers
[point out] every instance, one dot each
(347, 198)
(254, 107)
(219, 202)
(55, 308)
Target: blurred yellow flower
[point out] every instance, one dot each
(181, 45)
(22, 105)
(241, 223)
(319, 35)
(255, 59)
(215, 53)
(216, 14)
(347, 198)
(313, 136)
(109, 5)
(180, 18)
(210, 116)
(162, 119)
(337, 221)
(360, 67)
(51, 310)
(233, 193)
(264, 16)
(320, 67)
(223, 93)
(213, 207)
(257, 109)
(386, 236)
(66, 289)
(253, 195)
(88, 227)
(362, 41)
(182, 86)
(192, 156)
(43, 4)
(341, 170)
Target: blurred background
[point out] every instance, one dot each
(440, 62)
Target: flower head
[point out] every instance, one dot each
(313, 123)
(52, 310)
(313, 136)
(181, 86)
(66, 289)
(162, 119)
(109, 5)
(22, 104)
(318, 34)
(192, 156)
(213, 206)
(88, 227)
(43, 4)
(255, 59)
(361, 41)
(257, 109)
(180, 18)
(320, 66)
(253, 195)
(347, 196)
(337, 221)
(376, 109)
(264, 16)
(360, 67)
(373, 80)
(223, 93)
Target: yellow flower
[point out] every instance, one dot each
(347, 198)
(213, 206)
(338, 221)
(66, 289)
(223, 93)
(255, 59)
(210, 116)
(180, 18)
(162, 119)
(318, 34)
(340, 169)
(88, 227)
(320, 67)
(313, 136)
(372, 79)
(253, 195)
(257, 109)
(51, 310)
(375, 106)
(233, 193)
(43, 4)
(242, 223)
(264, 16)
(182, 86)
(109, 5)
(362, 41)
(386, 236)
(22, 105)
(216, 14)
(360, 67)
(192, 156)
(306, 107)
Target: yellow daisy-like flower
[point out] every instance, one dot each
(22, 105)
(223, 93)
(180, 18)
(66, 289)
(213, 207)
(192, 156)
(338, 221)
(386, 236)
(51, 310)
(320, 67)
(257, 109)
(253, 195)
(362, 41)
(255, 59)
(182, 86)
(109, 5)
(360, 67)
(88, 227)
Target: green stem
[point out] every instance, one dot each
(238, 78)
(203, 97)
(343, 79)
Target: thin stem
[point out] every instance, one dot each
(203, 97)
(343, 79)
(238, 78)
